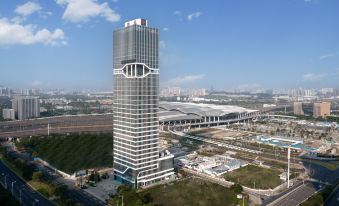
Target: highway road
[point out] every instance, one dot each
(20, 189)
(297, 196)
(76, 194)
(333, 199)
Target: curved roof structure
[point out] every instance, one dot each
(197, 110)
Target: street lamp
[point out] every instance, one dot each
(13, 186)
(35, 201)
(20, 195)
(5, 175)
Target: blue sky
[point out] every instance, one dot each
(227, 44)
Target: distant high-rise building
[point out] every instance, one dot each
(26, 107)
(321, 109)
(298, 108)
(8, 114)
(137, 159)
(326, 90)
(336, 92)
(318, 109)
(5, 91)
(303, 108)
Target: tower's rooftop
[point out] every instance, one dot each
(138, 21)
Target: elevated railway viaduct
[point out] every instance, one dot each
(93, 123)
(59, 124)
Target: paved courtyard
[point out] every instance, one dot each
(104, 188)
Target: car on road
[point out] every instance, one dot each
(83, 187)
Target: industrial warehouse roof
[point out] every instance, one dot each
(179, 110)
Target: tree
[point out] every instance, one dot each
(95, 177)
(34, 154)
(27, 172)
(237, 188)
(131, 197)
(61, 190)
(147, 198)
(37, 176)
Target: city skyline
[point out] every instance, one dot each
(258, 44)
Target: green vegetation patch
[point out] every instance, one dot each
(191, 192)
(251, 175)
(74, 152)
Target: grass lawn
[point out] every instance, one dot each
(192, 192)
(44, 188)
(264, 178)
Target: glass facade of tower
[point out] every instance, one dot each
(136, 95)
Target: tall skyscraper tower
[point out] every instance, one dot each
(137, 159)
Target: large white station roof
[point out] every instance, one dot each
(179, 110)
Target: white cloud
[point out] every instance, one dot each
(166, 29)
(177, 13)
(177, 81)
(78, 11)
(314, 77)
(45, 14)
(162, 44)
(194, 15)
(12, 33)
(311, 1)
(27, 8)
(329, 55)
